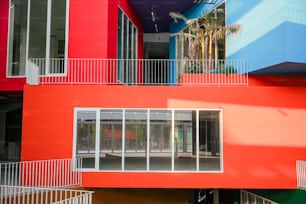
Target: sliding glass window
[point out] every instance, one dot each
(17, 38)
(149, 139)
(111, 134)
(37, 36)
(126, 49)
(86, 140)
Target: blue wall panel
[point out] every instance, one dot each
(273, 32)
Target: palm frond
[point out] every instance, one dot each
(177, 15)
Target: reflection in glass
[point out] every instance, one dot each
(86, 137)
(184, 159)
(160, 140)
(57, 36)
(209, 140)
(17, 37)
(151, 139)
(38, 27)
(135, 139)
(110, 139)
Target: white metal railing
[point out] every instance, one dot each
(247, 197)
(301, 174)
(35, 195)
(137, 71)
(43, 173)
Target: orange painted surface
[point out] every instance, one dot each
(263, 131)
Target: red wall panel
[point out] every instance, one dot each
(6, 84)
(113, 26)
(4, 14)
(88, 34)
(93, 28)
(263, 131)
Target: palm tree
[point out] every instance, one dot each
(207, 30)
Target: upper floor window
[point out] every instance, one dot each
(148, 139)
(127, 49)
(37, 31)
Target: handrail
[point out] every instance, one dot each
(250, 198)
(137, 72)
(42, 173)
(37, 195)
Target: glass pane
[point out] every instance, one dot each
(125, 37)
(209, 141)
(134, 43)
(86, 137)
(38, 28)
(160, 140)
(185, 159)
(57, 38)
(110, 139)
(126, 71)
(135, 139)
(17, 37)
(120, 34)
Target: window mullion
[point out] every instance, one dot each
(123, 140)
(148, 141)
(197, 141)
(48, 36)
(172, 141)
(97, 146)
(28, 37)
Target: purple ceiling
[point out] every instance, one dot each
(161, 9)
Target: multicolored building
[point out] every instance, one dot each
(150, 101)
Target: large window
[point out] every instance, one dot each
(37, 32)
(126, 50)
(148, 139)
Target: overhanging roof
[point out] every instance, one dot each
(160, 9)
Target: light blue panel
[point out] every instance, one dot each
(273, 32)
(261, 52)
(296, 42)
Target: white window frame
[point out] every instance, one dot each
(97, 110)
(48, 35)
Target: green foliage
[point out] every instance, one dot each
(225, 69)
(193, 67)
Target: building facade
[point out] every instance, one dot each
(146, 102)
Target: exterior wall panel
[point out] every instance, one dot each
(6, 84)
(271, 32)
(88, 33)
(263, 131)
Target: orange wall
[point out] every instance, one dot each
(263, 131)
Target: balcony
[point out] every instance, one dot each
(137, 72)
(45, 181)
